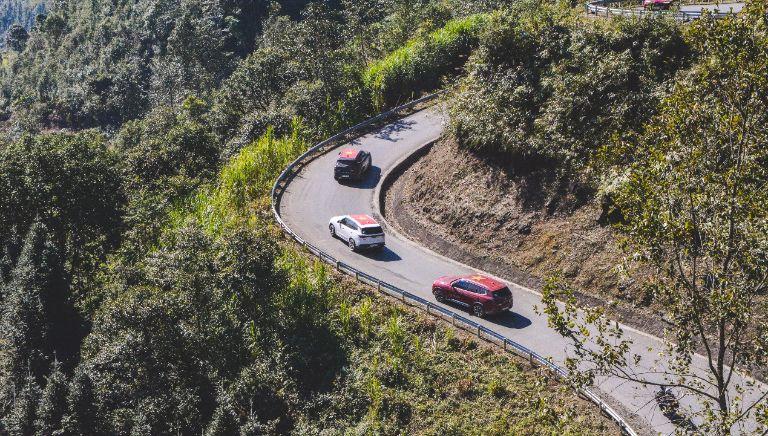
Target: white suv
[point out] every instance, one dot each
(358, 231)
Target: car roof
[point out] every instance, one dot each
(349, 153)
(484, 281)
(364, 220)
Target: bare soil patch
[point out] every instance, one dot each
(520, 224)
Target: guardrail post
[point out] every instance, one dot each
(453, 319)
(530, 358)
(357, 276)
(479, 327)
(338, 265)
(505, 344)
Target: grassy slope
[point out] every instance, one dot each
(420, 64)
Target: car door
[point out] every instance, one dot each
(461, 292)
(344, 229)
(354, 229)
(476, 291)
(350, 229)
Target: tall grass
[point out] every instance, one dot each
(245, 181)
(422, 62)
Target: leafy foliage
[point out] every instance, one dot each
(693, 202)
(21, 12)
(545, 86)
(69, 183)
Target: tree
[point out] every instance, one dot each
(17, 37)
(53, 402)
(70, 182)
(34, 322)
(21, 418)
(694, 208)
(81, 405)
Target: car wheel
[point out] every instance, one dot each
(333, 230)
(439, 296)
(352, 245)
(478, 310)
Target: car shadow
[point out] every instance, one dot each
(507, 318)
(382, 255)
(370, 181)
(511, 320)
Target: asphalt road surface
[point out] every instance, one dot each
(313, 197)
(722, 7)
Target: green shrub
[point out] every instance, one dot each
(422, 62)
(543, 86)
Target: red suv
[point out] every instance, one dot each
(482, 295)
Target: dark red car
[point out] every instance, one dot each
(482, 295)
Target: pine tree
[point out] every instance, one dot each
(32, 294)
(223, 422)
(8, 256)
(81, 403)
(20, 421)
(53, 403)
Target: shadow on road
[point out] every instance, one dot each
(390, 130)
(511, 320)
(383, 255)
(507, 319)
(370, 181)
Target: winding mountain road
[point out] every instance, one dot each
(313, 196)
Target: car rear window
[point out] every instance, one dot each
(372, 230)
(502, 293)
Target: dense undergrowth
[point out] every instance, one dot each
(143, 287)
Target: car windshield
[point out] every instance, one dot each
(502, 293)
(372, 230)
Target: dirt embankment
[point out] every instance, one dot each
(519, 224)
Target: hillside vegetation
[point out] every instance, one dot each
(143, 286)
(625, 160)
(19, 12)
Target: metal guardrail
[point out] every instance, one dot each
(406, 297)
(602, 7)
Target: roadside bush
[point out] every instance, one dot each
(543, 86)
(422, 62)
